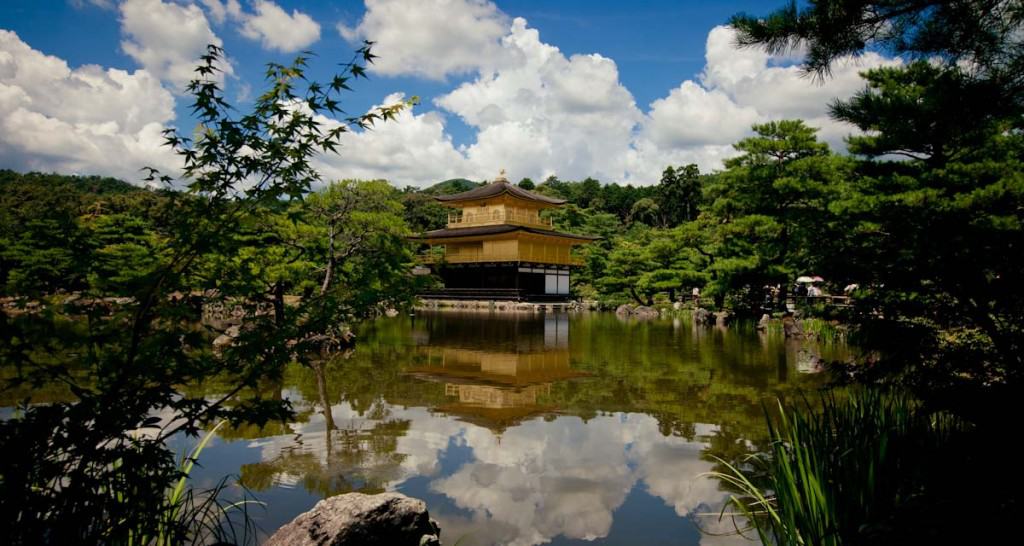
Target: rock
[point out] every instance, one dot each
(723, 318)
(677, 306)
(792, 327)
(644, 313)
(703, 317)
(355, 519)
(624, 310)
(391, 312)
(222, 341)
(226, 339)
(762, 324)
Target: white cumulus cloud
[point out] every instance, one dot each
(537, 112)
(430, 38)
(410, 150)
(544, 113)
(85, 120)
(698, 121)
(692, 115)
(166, 39)
(220, 11)
(533, 110)
(275, 29)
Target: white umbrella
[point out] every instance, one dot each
(804, 278)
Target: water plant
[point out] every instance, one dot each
(849, 471)
(188, 516)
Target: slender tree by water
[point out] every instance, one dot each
(95, 469)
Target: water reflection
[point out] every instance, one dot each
(499, 372)
(526, 430)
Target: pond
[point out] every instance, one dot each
(526, 429)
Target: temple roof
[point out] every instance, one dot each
(449, 233)
(499, 187)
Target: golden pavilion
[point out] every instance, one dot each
(498, 246)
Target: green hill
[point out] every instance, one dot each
(454, 185)
(57, 183)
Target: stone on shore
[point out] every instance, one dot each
(703, 317)
(643, 313)
(356, 519)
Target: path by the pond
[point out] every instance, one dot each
(525, 429)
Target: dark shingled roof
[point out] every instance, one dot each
(496, 188)
(496, 229)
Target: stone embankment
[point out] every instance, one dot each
(505, 306)
(355, 519)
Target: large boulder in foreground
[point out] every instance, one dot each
(387, 519)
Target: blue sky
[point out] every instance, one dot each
(616, 90)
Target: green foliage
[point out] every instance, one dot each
(679, 194)
(983, 33)
(362, 238)
(768, 211)
(42, 248)
(125, 253)
(626, 265)
(422, 212)
(920, 111)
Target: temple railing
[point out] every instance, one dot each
(483, 257)
(521, 217)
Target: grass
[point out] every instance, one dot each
(823, 330)
(190, 517)
(843, 473)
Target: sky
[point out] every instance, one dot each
(572, 88)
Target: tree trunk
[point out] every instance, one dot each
(279, 303)
(330, 260)
(325, 405)
(636, 297)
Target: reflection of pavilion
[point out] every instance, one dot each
(497, 372)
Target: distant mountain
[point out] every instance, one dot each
(56, 183)
(454, 185)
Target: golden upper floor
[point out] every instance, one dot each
(497, 213)
(499, 202)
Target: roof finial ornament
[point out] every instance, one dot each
(501, 177)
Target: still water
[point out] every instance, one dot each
(526, 429)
